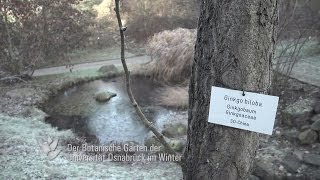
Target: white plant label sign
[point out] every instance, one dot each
(252, 112)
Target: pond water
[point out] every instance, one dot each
(114, 121)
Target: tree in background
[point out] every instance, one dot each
(37, 30)
(234, 48)
(145, 18)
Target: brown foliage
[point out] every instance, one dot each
(172, 54)
(174, 97)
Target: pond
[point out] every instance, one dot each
(114, 121)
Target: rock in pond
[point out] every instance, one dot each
(104, 96)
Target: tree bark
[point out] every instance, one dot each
(234, 49)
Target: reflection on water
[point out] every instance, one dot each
(113, 121)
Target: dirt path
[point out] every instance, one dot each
(93, 65)
(306, 70)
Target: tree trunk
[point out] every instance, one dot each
(15, 63)
(234, 49)
(45, 31)
(8, 31)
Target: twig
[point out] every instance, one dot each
(143, 118)
(12, 77)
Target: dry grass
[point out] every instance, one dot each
(174, 97)
(172, 54)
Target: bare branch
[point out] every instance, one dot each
(12, 78)
(143, 118)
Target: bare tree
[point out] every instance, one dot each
(234, 49)
(297, 29)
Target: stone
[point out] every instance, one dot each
(313, 159)
(265, 170)
(291, 134)
(292, 163)
(108, 69)
(305, 127)
(315, 118)
(175, 130)
(315, 174)
(153, 141)
(298, 113)
(316, 125)
(316, 107)
(253, 177)
(2, 74)
(104, 96)
(176, 144)
(298, 154)
(308, 136)
(316, 147)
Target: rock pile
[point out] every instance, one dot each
(293, 152)
(305, 116)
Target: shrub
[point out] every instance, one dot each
(172, 54)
